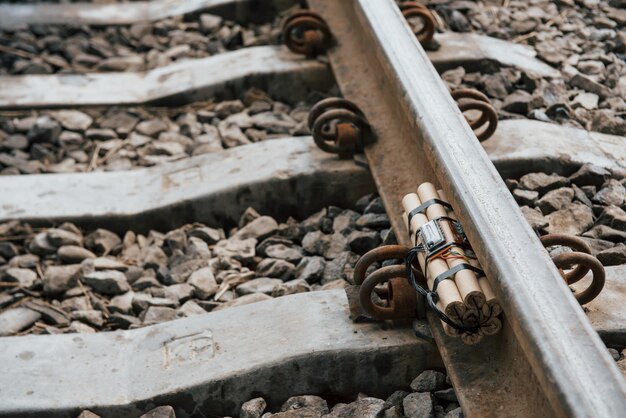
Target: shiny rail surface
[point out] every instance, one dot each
(534, 367)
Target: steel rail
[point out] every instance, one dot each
(547, 361)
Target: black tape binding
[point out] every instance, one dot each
(431, 295)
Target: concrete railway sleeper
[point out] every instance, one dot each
(224, 232)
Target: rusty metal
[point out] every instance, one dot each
(532, 368)
(399, 294)
(412, 9)
(574, 243)
(470, 99)
(305, 32)
(338, 126)
(566, 260)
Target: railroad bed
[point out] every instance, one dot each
(171, 227)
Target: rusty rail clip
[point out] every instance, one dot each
(412, 9)
(339, 126)
(582, 259)
(400, 295)
(470, 99)
(305, 32)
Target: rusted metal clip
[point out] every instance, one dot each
(400, 296)
(305, 32)
(469, 99)
(426, 32)
(339, 126)
(582, 259)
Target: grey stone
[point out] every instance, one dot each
(182, 271)
(102, 241)
(58, 279)
(191, 308)
(8, 250)
(612, 193)
(73, 254)
(273, 122)
(106, 263)
(97, 134)
(254, 408)
(152, 127)
(44, 130)
(261, 285)
(203, 282)
(555, 200)
(614, 217)
(362, 241)
(88, 414)
(25, 277)
(542, 183)
(419, 405)
(429, 381)
(108, 282)
(613, 256)
(590, 175)
(363, 408)
(589, 84)
(305, 401)
(90, 317)
(51, 314)
(197, 248)
(15, 320)
(153, 257)
(291, 288)
(158, 314)
(24, 261)
(180, 292)
(228, 107)
(271, 267)
(455, 413)
(283, 252)
(142, 301)
(260, 228)
(447, 395)
(241, 250)
(244, 300)
(165, 411)
(534, 217)
(525, 197)
(210, 23)
(122, 303)
(231, 134)
(373, 221)
(518, 102)
(208, 235)
(345, 222)
(395, 400)
(310, 269)
(40, 245)
(73, 120)
(607, 233)
(573, 219)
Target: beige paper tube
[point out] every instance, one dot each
(447, 292)
(466, 281)
(490, 324)
(493, 306)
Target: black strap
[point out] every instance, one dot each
(421, 208)
(454, 270)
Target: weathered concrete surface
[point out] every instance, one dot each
(210, 364)
(127, 13)
(274, 69)
(523, 146)
(476, 52)
(607, 312)
(282, 177)
(283, 74)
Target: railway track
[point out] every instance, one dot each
(194, 186)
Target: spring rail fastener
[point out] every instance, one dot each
(583, 262)
(305, 32)
(412, 9)
(401, 297)
(339, 126)
(470, 99)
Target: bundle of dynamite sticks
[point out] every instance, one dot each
(465, 297)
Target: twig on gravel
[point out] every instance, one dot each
(17, 52)
(94, 159)
(86, 293)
